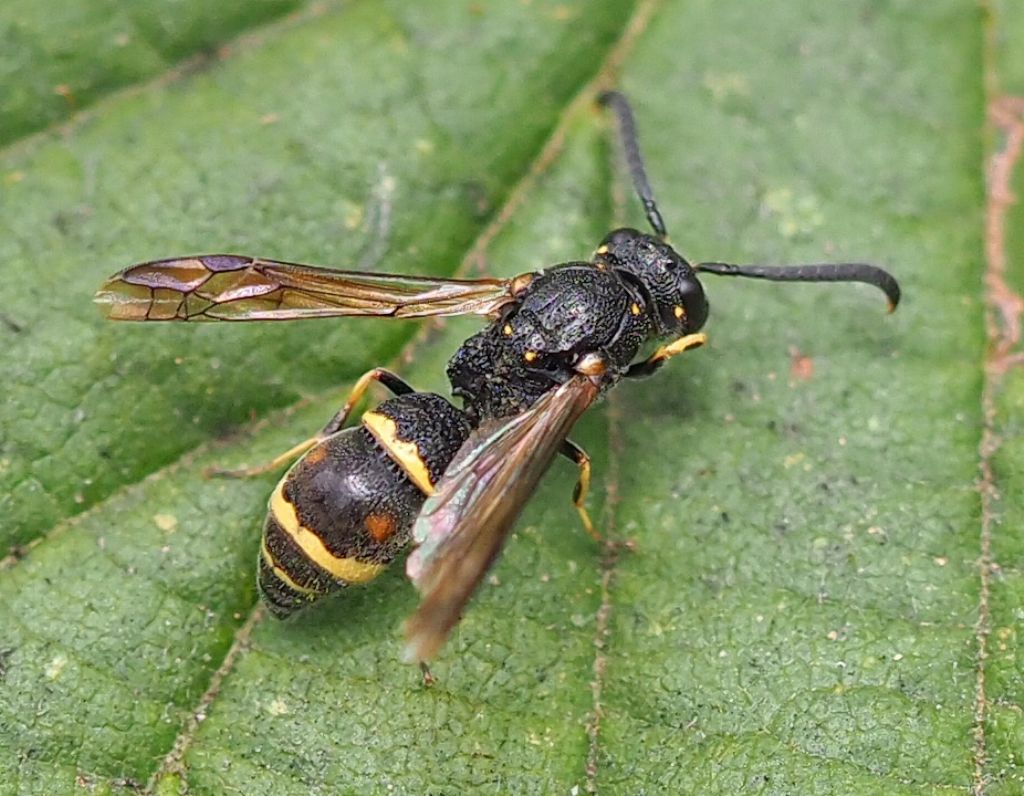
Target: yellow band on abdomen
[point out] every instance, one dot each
(346, 569)
(405, 454)
(283, 576)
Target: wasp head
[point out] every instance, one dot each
(670, 281)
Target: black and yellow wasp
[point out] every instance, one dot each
(417, 468)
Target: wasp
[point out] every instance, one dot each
(417, 468)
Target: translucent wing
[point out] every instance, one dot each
(463, 525)
(228, 287)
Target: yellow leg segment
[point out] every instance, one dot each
(579, 494)
(334, 425)
(386, 377)
(665, 353)
(259, 469)
(678, 346)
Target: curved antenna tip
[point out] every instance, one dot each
(814, 272)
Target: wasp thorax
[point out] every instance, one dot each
(670, 281)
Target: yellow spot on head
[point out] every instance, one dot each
(679, 311)
(602, 249)
(635, 309)
(348, 570)
(506, 329)
(404, 453)
(530, 356)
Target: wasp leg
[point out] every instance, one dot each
(665, 353)
(395, 384)
(579, 495)
(619, 106)
(428, 676)
(259, 469)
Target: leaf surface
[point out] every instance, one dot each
(814, 571)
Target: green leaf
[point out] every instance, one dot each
(57, 57)
(803, 607)
(1002, 444)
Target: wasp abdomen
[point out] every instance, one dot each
(345, 510)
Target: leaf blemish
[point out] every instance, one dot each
(55, 667)
(167, 523)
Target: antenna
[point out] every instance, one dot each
(619, 105)
(814, 272)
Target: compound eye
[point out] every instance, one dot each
(694, 304)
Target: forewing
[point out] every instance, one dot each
(463, 525)
(228, 287)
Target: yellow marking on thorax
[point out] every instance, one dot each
(347, 569)
(406, 454)
(283, 576)
(592, 365)
(520, 283)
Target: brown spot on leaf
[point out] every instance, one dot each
(801, 367)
